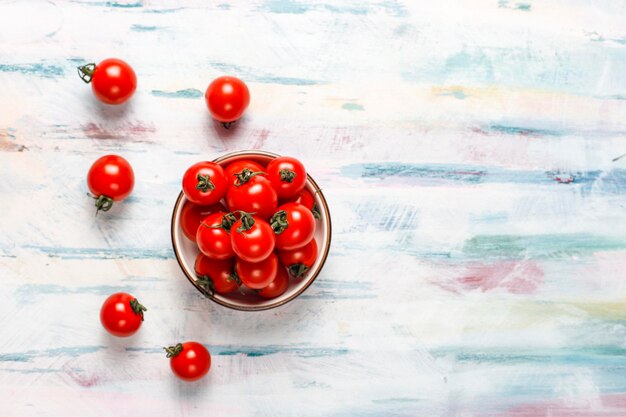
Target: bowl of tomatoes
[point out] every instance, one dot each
(251, 230)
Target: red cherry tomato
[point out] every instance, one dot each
(227, 98)
(307, 200)
(257, 275)
(293, 225)
(204, 183)
(236, 167)
(216, 276)
(213, 236)
(252, 238)
(110, 179)
(252, 194)
(113, 81)
(287, 175)
(300, 260)
(121, 314)
(192, 214)
(189, 361)
(278, 286)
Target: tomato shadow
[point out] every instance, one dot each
(225, 132)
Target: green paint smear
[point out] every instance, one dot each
(538, 246)
(352, 107)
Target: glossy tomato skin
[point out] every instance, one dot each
(113, 81)
(227, 98)
(118, 316)
(213, 238)
(204, 183)
(299, 260)
(192, 214)
(304, 197)
(192, 362)
(236, 167)
(254, 196)
(111, 176)
(254, 244)
(287, 175)
(220, 272)
(257, 275)
(278, 286)
(293, 225)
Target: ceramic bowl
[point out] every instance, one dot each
(246, 300)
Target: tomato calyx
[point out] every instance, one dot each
(206, 283)
(103, 202)
(137, 307)
(227, 222)
(247, 221)
(279, 222)
(85, 72)
(245, 175)
(316, 212)
(287, 175)
(228, 125)
(173, 351)
(204, 183)
(298, 270)
(234, 277)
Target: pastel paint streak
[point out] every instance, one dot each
(103, 253)
(606, 405)
(352, 107)
(186, 93)
(26, 292)
(143, 28)
(506, 4)
(516, 277)
(608, 182)
(39, 70)
(539, 246)
(258, 351)
(260, 77)
(28, 355)
(393, 8)
(125, 131)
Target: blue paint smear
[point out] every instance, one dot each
(40, 70)
(522, 131)
(393, 8)
(506, 4)
(250, 74)
(31, 370)
(27, 355)
(352, 107)
(258, 351)
(142, 28)
(103, 253)
(162, 11)
(458, 94)
(611, 182)
(123, 5)
(186, 93)
(224, 6)
(25, 292)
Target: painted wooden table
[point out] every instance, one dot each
(469, 151)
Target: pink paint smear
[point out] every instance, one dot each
(613, 405)
(516, 277)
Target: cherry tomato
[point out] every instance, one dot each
(252, 238)
(192, 214)
(287, 175)
(293, 225)
(216, 276)
(204, 183)
(278, 286)
(257, 275)
(307, 200)
(213, 236)
(236, 167)
(227, 98)
(110, 179)
(189, 361)
(252, 194)
(113, 81)
(121, 314)
(300, 260)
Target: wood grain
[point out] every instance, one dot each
(469, 151)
